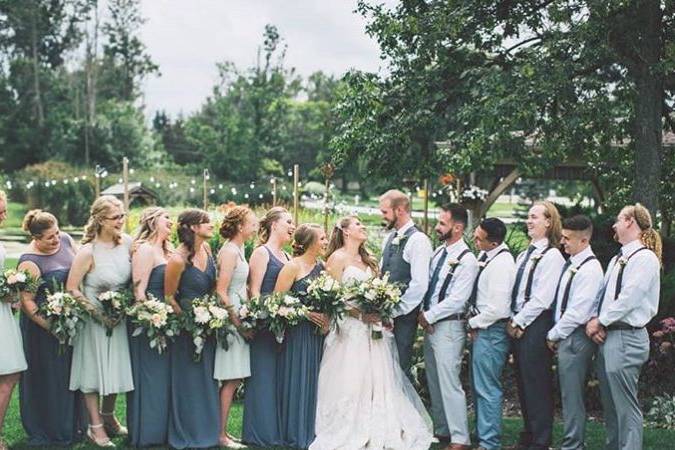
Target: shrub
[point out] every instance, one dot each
(661, 413)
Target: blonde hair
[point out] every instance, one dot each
(147, 228)
(100, 209)
(304, 237)
(235, 218)
(397, 199)
(37, 221)
(337, 241)
(3, 196)
(271, 216)
(554, 232)
(649, 236)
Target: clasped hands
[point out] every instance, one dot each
(596, 331)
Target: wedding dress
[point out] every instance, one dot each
(364, 399)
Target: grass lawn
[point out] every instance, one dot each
(654, 439)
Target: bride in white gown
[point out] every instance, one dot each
(364, 399)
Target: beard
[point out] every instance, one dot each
(444, 236)
(389, 224)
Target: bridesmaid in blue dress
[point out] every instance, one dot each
(148, 403)
(298, 370)
(194, 415)
(51, 414)
(261, 420)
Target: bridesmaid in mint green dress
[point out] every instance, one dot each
(101, 364)
(234, 364)
(12, 359)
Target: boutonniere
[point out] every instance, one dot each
(623, 261)
(536, 258)
(452, 262)
(482, 264)
(397, 240)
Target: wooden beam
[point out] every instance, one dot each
(497, 191)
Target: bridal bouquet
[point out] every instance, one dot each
(114, 304)
(207, 318)
(376, 296)
(284, 311)
(157, 319)
(253, 313)
(326, 295)
(13, 281)
(65, 315)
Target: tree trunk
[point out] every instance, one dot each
(90, 86)
(648, 104)
(39, 108)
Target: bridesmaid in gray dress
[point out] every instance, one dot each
(261, 419)
(300, 359)
(148, 403)
(101, 364)
(194, 416)
(12, 360)
(233, 364)
(51, 414)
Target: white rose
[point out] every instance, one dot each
(218, 312)
(201, 314)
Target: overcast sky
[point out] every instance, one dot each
(188, 37)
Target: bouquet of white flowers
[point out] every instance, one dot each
(284, 311)
(376, 296)
(14, 281)
(114, 304)
(253, 313)
(207, 318)
(326, 295)
(65, 315)
(157, 319)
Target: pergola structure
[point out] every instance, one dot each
(506, 173)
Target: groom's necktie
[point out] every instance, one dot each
(434, 280)
(519, 277)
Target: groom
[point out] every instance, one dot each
(405, 255)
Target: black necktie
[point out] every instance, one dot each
(434, 280)
(474, 291)
(601, 294)
(557, 289)
(519, 277)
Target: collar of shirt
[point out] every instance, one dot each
(492, 253)
(581, 256)
(629, 248)
(401, 231)
(455, 249)
(540, 244)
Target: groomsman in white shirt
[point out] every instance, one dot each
(628, 300)
(574, 305)
(489, 310)
(453, 270)
(538, 270)
(405, 256)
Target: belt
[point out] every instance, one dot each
(616, 326)
(452, 317)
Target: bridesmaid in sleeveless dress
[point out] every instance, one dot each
(101, 365)
(194, 415)
(261, 420)
(233, 364)
(51, 414)
(303, 345)
(148, 403)
(12, 359)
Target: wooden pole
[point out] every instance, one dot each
(427, 186)
(205, 178)
(296, 193)
(125, 176)
(274, 191)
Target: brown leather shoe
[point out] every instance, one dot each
(458, 447)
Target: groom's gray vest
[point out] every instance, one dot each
(393, 262)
